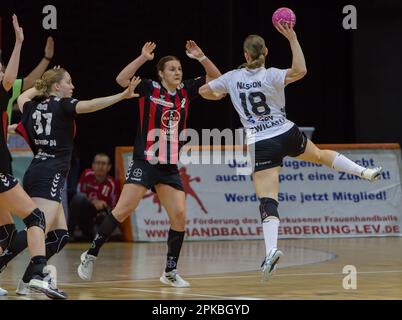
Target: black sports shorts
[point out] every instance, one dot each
(142, 172)
(269, 153)
(40, 182)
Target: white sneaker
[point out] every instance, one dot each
(372, 174)
(45, 284)
(23, 288)
(270, 263)
(86, 266)
(173, 279)
(3, 292)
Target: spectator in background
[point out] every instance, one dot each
(97, 195)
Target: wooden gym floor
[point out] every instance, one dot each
(310, 269)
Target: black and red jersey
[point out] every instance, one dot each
(49, 128)
(162, 119)
(4, 155)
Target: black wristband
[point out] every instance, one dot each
(47, 58)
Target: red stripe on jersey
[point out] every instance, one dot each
(74, 129)
(5, 123)
(151, 122)
(23, 133)
(142, 101)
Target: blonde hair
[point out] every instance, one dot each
(50, 77)
(254, 45)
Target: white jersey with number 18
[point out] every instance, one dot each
(259, 98)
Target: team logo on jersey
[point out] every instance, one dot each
(170, 119)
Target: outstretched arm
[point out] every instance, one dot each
(102, 103)
(11, 71)
(298, 69)
(41, 67)
(195, 52)
(123, 79)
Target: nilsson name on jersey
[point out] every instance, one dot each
(249, 85)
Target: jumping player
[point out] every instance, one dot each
(258, 96)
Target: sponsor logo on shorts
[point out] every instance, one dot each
(263, 163)
(137, 172)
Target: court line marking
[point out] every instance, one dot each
(188, 294)
(231, 277)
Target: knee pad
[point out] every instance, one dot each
(6, 235)
(55, 241)
(268, 208)
(36, 219)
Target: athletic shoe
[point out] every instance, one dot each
(270, 263)
(372, 174)
(23, 288)
(3, 292)
(86, 266)
(173, 279)
(44, 283)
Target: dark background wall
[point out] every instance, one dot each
(350, 94)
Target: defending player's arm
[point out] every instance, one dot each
(11, 71)
(123, 79)
(104, 102)
(298, 69)
(41, 67)
(194, 51)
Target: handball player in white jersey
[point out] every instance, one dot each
(258, 95)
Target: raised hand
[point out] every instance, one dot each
(147, 50)
(19, 33)
(286, 30)
(49, 49)
(129, 92)
(193, 51)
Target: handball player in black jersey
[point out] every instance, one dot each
(48, 113)
(14, 199)
(163, 111)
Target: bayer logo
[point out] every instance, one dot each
(137, 172)
(171, 263)
(170, 119)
